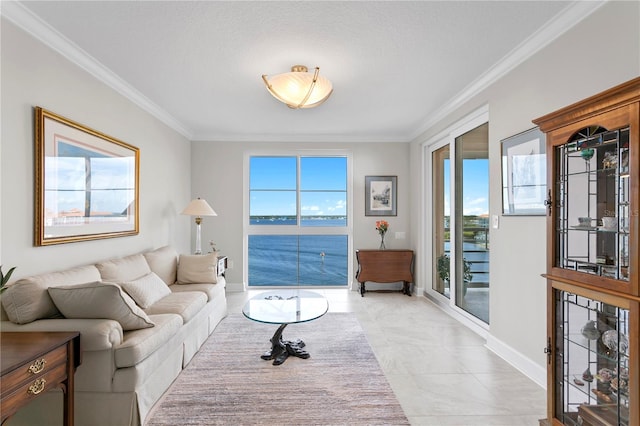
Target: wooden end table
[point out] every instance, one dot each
(385, 266)
(35, 362)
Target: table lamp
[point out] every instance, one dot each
(198, 208)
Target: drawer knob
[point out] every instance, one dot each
(37, 387)
(37, 366)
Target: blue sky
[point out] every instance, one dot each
(323, 181)
(323, 175)
(475, 181)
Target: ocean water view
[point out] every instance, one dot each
(317, 260)
(290, 260)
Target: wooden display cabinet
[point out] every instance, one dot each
(593, 295)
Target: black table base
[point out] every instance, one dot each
(281, 349)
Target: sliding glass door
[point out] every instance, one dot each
(472, 222)
(441, 230)
(459, 194)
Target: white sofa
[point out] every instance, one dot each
(129, 361)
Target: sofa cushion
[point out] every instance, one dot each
(100, 300)
(96, 334)
(127, 268)
(211, 290)
(139, 344)
(197, 268)
(147, 290)
(27, 299)
(164, 262)
(186, 304)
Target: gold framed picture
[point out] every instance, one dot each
(86, 183)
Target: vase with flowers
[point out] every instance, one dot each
(382, 226)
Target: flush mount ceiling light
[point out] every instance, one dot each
(299, 88)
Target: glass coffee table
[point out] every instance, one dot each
(285, 307)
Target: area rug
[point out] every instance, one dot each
(227, 383)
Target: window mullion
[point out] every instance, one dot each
(298, 197)
(298, 214)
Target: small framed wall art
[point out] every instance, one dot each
(524, 174)
(381, 194)
(86, 183)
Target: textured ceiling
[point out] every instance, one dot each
(393, 64)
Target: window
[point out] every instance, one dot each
(298, 228)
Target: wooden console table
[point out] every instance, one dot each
(35, 362)
(385, 266)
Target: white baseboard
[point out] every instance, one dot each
(526, 366)
(520, 362)
(468, 320)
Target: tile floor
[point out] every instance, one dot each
(440, 371)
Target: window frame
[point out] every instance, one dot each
(297, 229)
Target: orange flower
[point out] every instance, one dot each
(382, 226)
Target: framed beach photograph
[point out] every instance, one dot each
(380, 195)
(86, 183)
(524, 174)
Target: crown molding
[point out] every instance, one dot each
(301, 138)
(552, 30)
(36, 27)
(22, 17)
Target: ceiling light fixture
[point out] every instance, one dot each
(299, 88)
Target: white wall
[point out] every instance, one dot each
(34, 75)
(217, 176)
(600, 52)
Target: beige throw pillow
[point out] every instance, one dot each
(147, 290)
(193, 269)
(99, 300)
(164, 262)
(124, 268)
(27, 299)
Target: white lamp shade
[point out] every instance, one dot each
(293, 87)
(199, 207)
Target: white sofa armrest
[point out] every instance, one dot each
(95, 334)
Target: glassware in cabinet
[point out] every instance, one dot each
(591, 360)
(592, 197)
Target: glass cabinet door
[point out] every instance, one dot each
(591, 361)
(593, 210)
